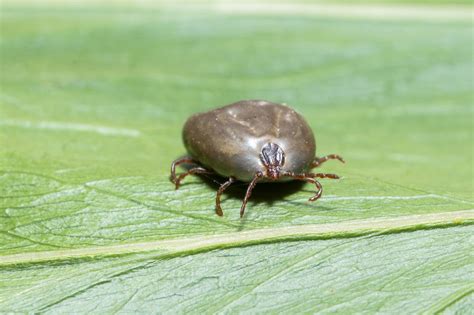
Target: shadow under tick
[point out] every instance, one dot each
(263, 193)
(266, 193)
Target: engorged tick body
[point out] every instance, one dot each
(251, 141)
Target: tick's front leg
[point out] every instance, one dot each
(251, 186)
(308, 178)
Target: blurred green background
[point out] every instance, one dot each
(392, 97)
(93, 97)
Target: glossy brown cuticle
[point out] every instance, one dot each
(251, 141)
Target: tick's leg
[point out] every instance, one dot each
(319, 192)
(219, 193)
(321, 175)
(194, 170)
(249, 192)
(186, 159)
(310, 175)
(318, 161)
(310, 179)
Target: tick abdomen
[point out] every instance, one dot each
(230, 139)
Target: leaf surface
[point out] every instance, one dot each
(92, 103)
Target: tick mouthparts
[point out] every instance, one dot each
(273, 173)
(272, 155)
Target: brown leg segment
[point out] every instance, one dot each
(186, 159)
(219, 193)
(249, 192)
(321, 175)
(310, 178)
(319, 192)
(318, 161)
(195, 170)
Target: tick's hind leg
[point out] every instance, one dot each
(195, 170)
(318, 161)
(177, 162)
(321, 175)
(219, 193)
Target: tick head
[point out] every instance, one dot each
(273, 158)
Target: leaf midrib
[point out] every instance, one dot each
(193, 244)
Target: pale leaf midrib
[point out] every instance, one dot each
(233, 239)
(418, 12)
(382, 11)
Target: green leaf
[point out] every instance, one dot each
(92, 102)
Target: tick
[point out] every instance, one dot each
(251, 141)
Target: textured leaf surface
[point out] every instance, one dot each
(91, 108)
